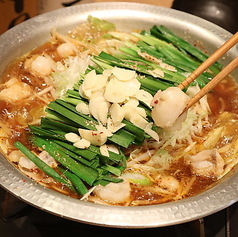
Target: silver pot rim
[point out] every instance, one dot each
(26, 36)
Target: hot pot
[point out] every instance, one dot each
(127, 16)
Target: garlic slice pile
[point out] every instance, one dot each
(113, 96)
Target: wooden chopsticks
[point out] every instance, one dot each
(206, 64)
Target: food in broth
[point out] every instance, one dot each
(97, 115)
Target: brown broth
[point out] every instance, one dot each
(17, 116)
(224, 97)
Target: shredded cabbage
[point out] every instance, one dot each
(68, 73)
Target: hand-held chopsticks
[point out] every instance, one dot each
(220, 76)
(212, 59)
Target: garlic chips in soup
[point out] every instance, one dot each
(96, 114)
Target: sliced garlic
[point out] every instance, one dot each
(104, 150)
(157, 72)
(141, 112)
(99, 107)
(152, 133)
(82, 108)
(107, 73)
(85, 93)
(103, 109)
(144, 96)
(111, 127)
(113, 93)
(113, 148)
(106, 93)
(117, 113)
(129, 88)
(94, 82)
(72, 137)
(138, 120)
(101, 82)
(82, 144)
(90, 80)
(117, 91)
(123, 74)
(132, 102)
(101, 128)
(130, 108)
(96, 138)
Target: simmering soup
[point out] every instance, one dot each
(97, 115)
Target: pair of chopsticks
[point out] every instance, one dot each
(206, 64)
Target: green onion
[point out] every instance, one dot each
(75, 180)
(162, 31)
(114, 170)
(81, 167)
(42, 165)
(86, 153)
(86, 173)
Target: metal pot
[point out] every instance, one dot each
(127, 16)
